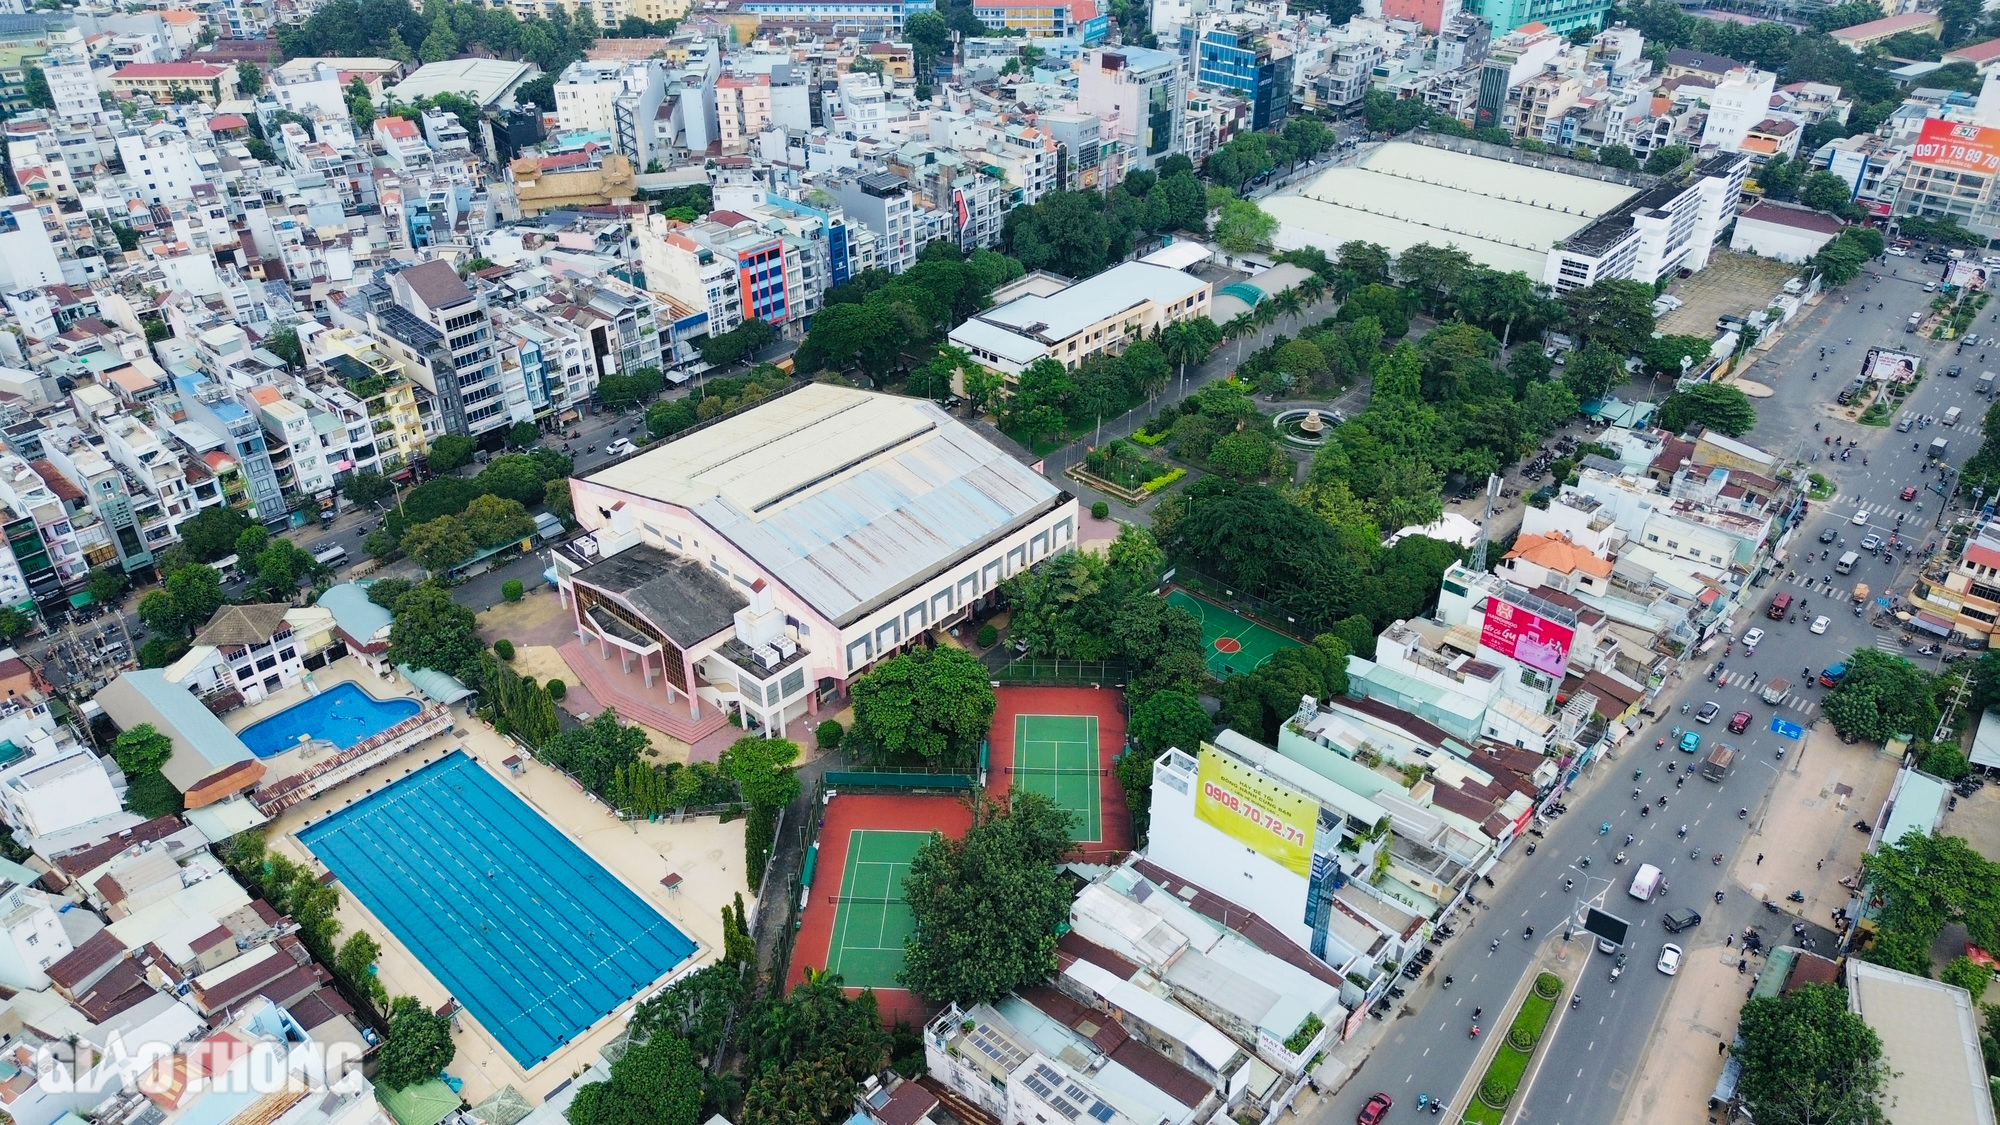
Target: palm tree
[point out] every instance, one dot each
(1285, 304)
(1312, 289)
(1239, 324)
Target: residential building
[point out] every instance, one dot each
(1738, 104)
(1561, 16)
(441, 334)
(164, 82)
(866, 18)
(223, 432)
(1042, 19)
(880, 201)
(27, 253)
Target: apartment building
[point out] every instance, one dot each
(1251, 62)
(1656, 232)
(881, 202)
(1044, 316)
(1139, 94)
(441, 334)
(362, 384)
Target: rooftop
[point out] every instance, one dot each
(242, 625)
(1505, 215)
(686, 600)
(1802, 218)
(1053, 319)
(1930, 1043)
(843, 496)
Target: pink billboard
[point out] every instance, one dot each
(1527, 636)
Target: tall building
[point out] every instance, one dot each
(1737, 104)
(1557, 15)
(1251, 63)
(881, 202)
(27, 254)
(1139, 94)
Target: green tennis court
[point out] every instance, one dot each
(872, 917)
(1231, 644)
(1056, 756)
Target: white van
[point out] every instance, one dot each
(1951, 416)
(1646, 882)
(329, 554)
(1846, 563)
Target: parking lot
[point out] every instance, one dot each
(1732, 285)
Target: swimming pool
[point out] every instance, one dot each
(343, 714)
(535, 938)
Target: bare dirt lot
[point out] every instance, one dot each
(1733, 284)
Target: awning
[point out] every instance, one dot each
(81, 599)
(567, 416)
(1932, 623)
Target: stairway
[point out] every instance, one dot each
(627, 694)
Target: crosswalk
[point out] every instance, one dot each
(1798, 698)
(1886, 510)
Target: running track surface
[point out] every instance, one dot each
(535, 938)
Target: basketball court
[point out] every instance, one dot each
(1056, 756)
(1232, 644)
(871, 917)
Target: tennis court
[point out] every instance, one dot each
(872, 918)
(1232, 644)
(1056, 756)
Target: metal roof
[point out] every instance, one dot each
(846, 497)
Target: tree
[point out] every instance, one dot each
(212, 532)
(930, 38)
(1807, 1060)
(440, 44)
(987, 906)
(1665, 160)
(440, 544)
(1881, 696)
(1824, 191)
(1170, 719)
(739, 343)
(934, 705)
(107, 584)
(492, 521)
(432, 631)
(1711, 406)
(249, 80)
(355, 963)
(807, 1054)
(143, 749)
(35, 86)
(360, 104)
(366, 488)
(418, 1046)
(556, 500)
(450, 452)
(185, 602)
(1064, 231)
(284, 343)
(1662, 355)
(656, 1082)
(764, 774)
(1241, 227)
(1619, 157)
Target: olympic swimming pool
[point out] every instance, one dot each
(534, 938)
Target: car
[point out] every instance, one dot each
(1670, 959)
(1691, 742)
(1708, 712)
(618, 448)
(1899, 251)
(1954, 371)
(1860, 519)
(1820, 623)
(1683, 919)
(1903, 425)
(1606, 945)
(1739, 722)
(1870, 542)
(1376, 1109)
(1829, 535)
(1830, 675)
(1971, 339)
(1909, 492)
(1753, 638)
(1930, 286)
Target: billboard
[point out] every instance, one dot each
(1274, 820)
(1527, 636)
(1884, 366)
(1968, 274)
(1965, 148)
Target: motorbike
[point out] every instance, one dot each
(1796, 896)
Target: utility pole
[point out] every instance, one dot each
(1957, 700)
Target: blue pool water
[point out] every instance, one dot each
(531, 935)
(343, 714)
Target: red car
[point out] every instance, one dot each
(1739, 722)
(1910, 493)
(1376, 1109)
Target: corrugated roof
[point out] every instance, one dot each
(844, 496)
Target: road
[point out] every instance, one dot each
(1590, 1056)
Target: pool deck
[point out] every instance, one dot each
(707, 855)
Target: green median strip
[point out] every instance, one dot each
(1510, 1063)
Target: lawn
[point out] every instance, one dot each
(1123, 465)
(1509, 1065)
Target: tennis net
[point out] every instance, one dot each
(865, 901)
(1052, 772)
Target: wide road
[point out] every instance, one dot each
(1595, 1049)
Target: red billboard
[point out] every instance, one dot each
(1527, 636)
(1966, 148)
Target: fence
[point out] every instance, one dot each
(1046, 671)
(899, 779)
(1236, 600)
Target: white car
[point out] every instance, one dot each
(1820, 623)
(1860, 519)
(618, 448)
(1670, 959)
(1753, 638)
(1899, 251)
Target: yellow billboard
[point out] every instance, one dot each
(1275, 820)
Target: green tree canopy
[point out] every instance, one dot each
(212, 532)
(1708, 406)
(1170, 719)
(432, 631)
(1881, 696)
(987, 905)
(931, 705)
(450, 452)
(1807, 1060)
(418, 1047)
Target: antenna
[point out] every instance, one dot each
(1478, 559)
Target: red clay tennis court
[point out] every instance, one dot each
(867, 838)
(1029, 712)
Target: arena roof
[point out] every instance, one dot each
(1505, 215)
(844, 496)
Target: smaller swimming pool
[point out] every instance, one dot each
(343, 714)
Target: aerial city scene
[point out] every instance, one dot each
(999, 562)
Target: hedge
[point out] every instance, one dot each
(1510, 1063)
